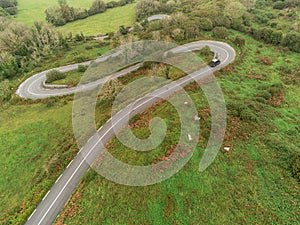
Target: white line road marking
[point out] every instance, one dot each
(59, 178)
(46, 195)
(69, 164)
(31, 214)
(90, 139)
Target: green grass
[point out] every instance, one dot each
(34, 10)
(109, 21)
(35, 148)
(103, 23)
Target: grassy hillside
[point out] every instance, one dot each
(252, 184)
(30, 11)
(36, 139)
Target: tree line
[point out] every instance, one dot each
(21, 47)
(63, 13)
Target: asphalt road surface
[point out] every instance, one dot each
(53, 202)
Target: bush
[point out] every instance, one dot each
(112, 4)
(265, 94)
(295, 166)
(205, 24)
(239, 41)
(12, 10)
(247, 115)
(220, 32)
(82, 68)
(292, 41)
(98, 6)
(54, 75)
(205, 51)
(279, 5)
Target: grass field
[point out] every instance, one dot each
(30, 11)
(103, 23)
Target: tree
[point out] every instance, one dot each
(145, 8)
(292, 41)
(54, 15)
(205, 24)
(235, 9)
(98, 6)
(21, 46)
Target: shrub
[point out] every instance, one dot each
(112, 4)
(82, 68)
(265, 94)
(295, 166)
(205, 51)
(205, 24)
(247, 115)
(279, 5)
(292, 41)
(98, 6)
(54, 75)
(260, 99)
(220, 32)
(239, 41)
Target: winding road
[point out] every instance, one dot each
(33, 88)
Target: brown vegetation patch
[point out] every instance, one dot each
(72, 207)
(265, 60)
(277, 100)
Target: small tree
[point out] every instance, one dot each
(98, 6)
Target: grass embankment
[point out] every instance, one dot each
(36, 138)
(251, 184)
(109, 21)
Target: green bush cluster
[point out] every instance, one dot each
(242, 111)
(54, 75)
(82, 68)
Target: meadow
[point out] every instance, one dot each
(30, 11)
